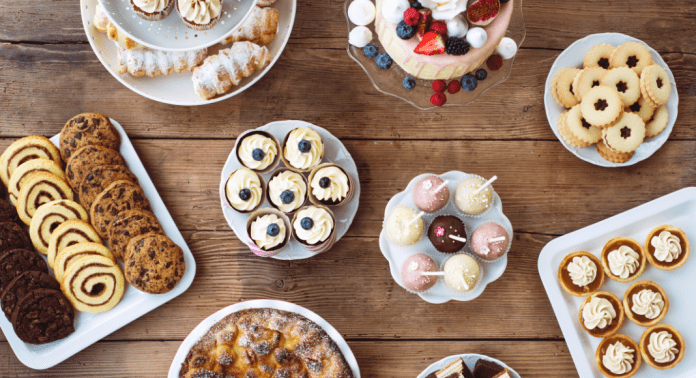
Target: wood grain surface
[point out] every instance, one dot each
(48, 73)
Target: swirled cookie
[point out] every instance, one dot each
(119, 196)
(43, 316)
(70, 254)
(88, 158)
(40, 189)
(88, 129)
(70, 232)
(50, 216)
(93, 283)
(154, 263)
(99, 179)
(21, 286)
(19, 176)
(24, 150)
(129, 224)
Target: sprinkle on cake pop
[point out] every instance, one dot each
(462, 273)
(404, 226)
(490, 241)
(431, 193)
(411, 273)
(447, 233)
(474, 196)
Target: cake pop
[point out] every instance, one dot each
(404, 226)
(411, 273)
(431, 193)
(474, 196)
(490, 241)
(447, 233)
(462, 272)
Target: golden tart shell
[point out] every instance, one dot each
(645, 341)
(615, 324)
(602, 349)
(567, 282)
(641, 320)
(650, 250)
(616, 243)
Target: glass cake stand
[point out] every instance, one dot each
(390, 81)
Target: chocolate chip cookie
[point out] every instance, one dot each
(21, 286)
(8, 213)
(88, 158)
(101, 177)
(88, 129)
(129, 224)
(43, 316)
(117, 197)
(154, 264)
(12, 236)
(17, 261)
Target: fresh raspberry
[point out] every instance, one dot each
(453, 86)
(438, 99)
(439, 27)
(494, 62)
(439, 86)
(411, 16)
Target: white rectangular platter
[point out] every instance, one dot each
(90, 328)
(677, 209)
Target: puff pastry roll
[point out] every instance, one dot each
(261, 27)
(265, 3)
(144, 61)
(101, 23)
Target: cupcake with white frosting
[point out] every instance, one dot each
(623, 259)
(618, 356)
(258, 151)
(303, 149)
(269, 232)
(153, 10)
(200, 14)
(245, 190)
(287, 190)
(315, 228)
(330, 185)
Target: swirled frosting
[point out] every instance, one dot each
(200, 11)
(623, 261)
(322, 225)
(259, 231)
(291, 181)
(299, 159)
(151, 6)
(337, 188)
(598, 313)
(582, 270)
(244, 178)
(618, 358)
(260, 142)
(662, 347)
(667, 246)
(648, 303)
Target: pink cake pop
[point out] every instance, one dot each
(490, 241)
(412, 269)
(430, 194)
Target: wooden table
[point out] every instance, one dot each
(49, 73)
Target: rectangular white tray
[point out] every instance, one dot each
(90, 328)
(677, 209)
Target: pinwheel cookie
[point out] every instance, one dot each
(261, 27)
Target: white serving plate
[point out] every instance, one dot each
(171, 34)
(469, 359)
(396, 255)
(177, 88)
(206, 324)
(334, 152)
(572, 58)
(677, 209)
(90, 328)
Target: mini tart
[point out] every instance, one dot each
(567, 282)
(602, 350)
(636, 288)
(650, 250)
(615, 324)
(616, 243)
(645, 341)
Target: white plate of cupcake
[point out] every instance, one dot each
(289, 190)
(446, 236)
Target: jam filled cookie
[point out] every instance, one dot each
(566, 134)
(655, 84)
(602, 106)
(43, 316)
(129, 224)
(99, 179)
(633, 55)
(40, 188)
(17, 261)
(644, 108)
(579, 129)
(598, 56)
(19, 176)
(564, 87)
(93, 283)
(72, 231)
(88, 129)
(612, 156)
(88, 158)
(626, 135)
(626, 82)
(119, 196)
(12, 236)
(154, 263)
(50, 216)
(657, 123)
(586, 80)
(23, 285)
(23, 150)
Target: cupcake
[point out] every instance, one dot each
(315, 228)
(645, 303)
(303, 149)
(447, 233)
(431, 194)
(662, 346)
(471, 202)
(244, 190)
(667, 247)
(601, 314)
(400, 229)
(200, 14)
(153, 10)
(490, 241)
(330, 185)
(581, 274)
(623, 259)
(258, 150)
(618, 357)
(287, 190)
(462, 273)
(411, 271)
(269, 232)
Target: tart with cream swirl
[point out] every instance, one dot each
(258, 150)
(330, 185)
(303, 149)
(617, 356)
(623, 259)
(200, 14)
(645, 303)
(314, 227)
(153, 10)
(287, 190)
(601, 314)
(581, 273)
(662, 346)
(667, 247)
(244, 190)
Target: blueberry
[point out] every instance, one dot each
(417, 5)
(244, 194)
(384, 61)
(273, 230)
(481, 74)
(409, 83)
(307, 223)
(304, 146)
(469, 82)
(325, 182)
(371, 50)
(258, 154)
(405, 31)
(287, 197)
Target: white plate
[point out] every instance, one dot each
(334, 152)
(469, 359)
(206, 324)
(572, 58)
(171, 34)
(441, 293)
(677, 209)
(90, 328)
(177, 88)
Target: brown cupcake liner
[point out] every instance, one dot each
(157, 16)
(199, 27)
(313, 199)
(249, 132)
(268, 191)
(264, 189)
(287, 163)
(258, 251)
(320, 247)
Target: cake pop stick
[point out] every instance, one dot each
(498, 239)
(412, 221)
(433, 274)
(457, 238)
(441, 186)
(485, 185)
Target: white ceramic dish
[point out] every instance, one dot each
(572, 58)
(334, 152)
(171, 34)
(90, 328)
(677, 209)
(206, 324)
(469, 359)
(177, 88)
(441, 293)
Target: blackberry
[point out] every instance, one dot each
(371, 50)
(405, 31)
(481, 74)
(416, 4)
(469, 82)
(409, 83)
(384, 61)
(456, 46)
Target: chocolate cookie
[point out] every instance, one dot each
(88, 129)
(21, 286)
(99, 179)
(12, 236)
(117, 197)
(17, 261)
(8, 213)
(129, 224)
(154, 264)
(43, 316)
(3, 192)
(88, 158)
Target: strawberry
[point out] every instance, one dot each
(431, 44)
(438, 99)
(424, 22)
(411, 16)
(439, 27)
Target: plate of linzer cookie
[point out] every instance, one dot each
(468, 366)
(611, 99)
(620, 291)
(446, 237)
(289, 190)
(86, 243)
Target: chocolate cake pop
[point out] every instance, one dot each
(411, 273)
(447, 233)
(431, 193)
(490, 241)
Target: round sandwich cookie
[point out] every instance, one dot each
(22, 285)
(564, 87)
(72, 231)
(655, 84)
(567, 136)
(610, 155)
(50, 216)
(633, 55)
(626, 135)
(88, 129)
(93, 283)
(88, 158)
(657, 123)
(20, 175)
(602, 106)
(40, 189)
(598, 56)
(24, 150)
(644, 108)
(8, 213)
(580, 129)
(119, 196)
(70, 254)
(13, 236)
(43, 316)
(626, 82)
(17, 261)
(100, 178)
(129, 224)
(587, 79)
(154, 263)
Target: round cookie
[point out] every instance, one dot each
(88, 158)
(564, 87)
(43, 316)
(99, 178)
(70, 254)
(8, 213)
(657, 123)
(612, 156)
(626, 135)
(20, 175)
(93, 283)
(567, 136)
(50, 216)
(643, 108)
(602, 106)
(580, 129)
(40, 189)
(633, 55)
(70, 232)
(154, 264)
(23, 150)
(655, 84)
(12, 236)
(119, 196)
(129, 224)
(3, 192)
(598, 56)
(88, 129)
(22, 285)
(626, 82)
(440, 230)
(587, 79)
(17, 261)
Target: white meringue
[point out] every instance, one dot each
(360, 36)
(476, 37)
(445, 9)
(361, 12)
(393, 10)
(507, 48)
(457, 26)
